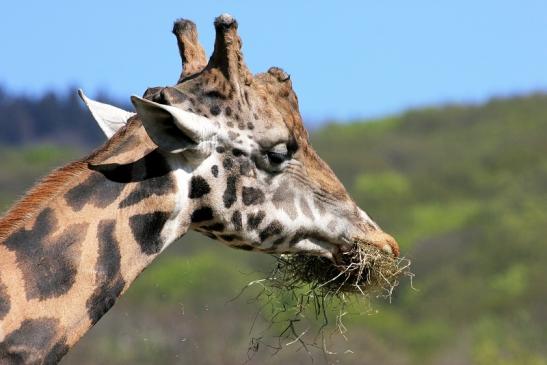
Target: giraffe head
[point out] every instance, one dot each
(255, 181)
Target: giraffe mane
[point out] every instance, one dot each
(38, 196)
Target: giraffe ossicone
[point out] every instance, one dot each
(222, 152)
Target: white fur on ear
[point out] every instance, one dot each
(109, 118)
(172, 128)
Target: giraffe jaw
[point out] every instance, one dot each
(336, 252)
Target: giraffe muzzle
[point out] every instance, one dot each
(382, 241)
(376, 238)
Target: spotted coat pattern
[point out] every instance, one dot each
(78, 239)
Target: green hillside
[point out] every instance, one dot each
(462, 188)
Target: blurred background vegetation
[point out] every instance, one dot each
(462, 187)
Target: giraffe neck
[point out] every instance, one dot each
(65, 258)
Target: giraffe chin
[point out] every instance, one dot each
(316, 247)
(337, 253)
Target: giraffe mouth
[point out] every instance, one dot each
(338, 252)
(312, 246)
(350, 267)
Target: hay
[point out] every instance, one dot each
(364, 269)
(304, 292)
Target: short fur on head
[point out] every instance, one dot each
(262, 185)
(222, 152)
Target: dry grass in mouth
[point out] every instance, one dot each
(364, 269)
(305, 292)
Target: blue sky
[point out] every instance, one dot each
(347, 59)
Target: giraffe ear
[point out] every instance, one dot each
(173, 129)
(109, 118)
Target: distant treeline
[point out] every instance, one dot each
(58, 118)
(463, 188)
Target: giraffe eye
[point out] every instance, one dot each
(278, 154)
(272, 159)
(276, 158)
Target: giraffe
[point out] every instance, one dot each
(222, 152)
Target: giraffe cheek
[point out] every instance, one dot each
(305, 208)
(284, 200)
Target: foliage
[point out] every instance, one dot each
(462, 188)
(60, 119)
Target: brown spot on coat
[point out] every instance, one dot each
(272, 229)
(48, 263)
(214, 170)
(32, 342)
(230, 194)
(108, 280)
(252, 196)
(201, 214)
(232, 135)
(96, 190)
(146, 229)
(254, 220)
(5, 303)
(158, 186)
(57, 352)
(198, 187)
(236, 221)
(215, 110)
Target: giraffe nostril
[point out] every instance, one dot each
(391, 245)
(382, 241)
